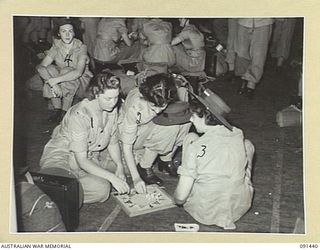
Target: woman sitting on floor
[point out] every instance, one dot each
(158, 53)
(81, 146)
(70, 74)
(113, 44)
(188, 46)
(214, 185)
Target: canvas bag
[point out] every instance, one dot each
(36, 212)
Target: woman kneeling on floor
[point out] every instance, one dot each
(81, 146)
(142, 139)
(214, 185)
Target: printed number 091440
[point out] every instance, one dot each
(305, 245)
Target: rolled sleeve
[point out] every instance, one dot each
(129, 128)
(52, 52)
(188, 166)
(183, 35)
(83, 51)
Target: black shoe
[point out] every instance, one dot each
(243, 87)
(148, 176)
(250, 93)
(167, 166)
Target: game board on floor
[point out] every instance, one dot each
(135, 204)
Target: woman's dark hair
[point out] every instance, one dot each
(100, 82)
(59, 21)
(158, 89)
(196, 107)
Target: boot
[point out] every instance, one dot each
(167, 166)
(148, 176)
(243, 87)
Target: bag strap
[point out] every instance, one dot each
(35, 203)
(29, 177)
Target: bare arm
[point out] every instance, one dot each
(126, 39)
(183, 189)
(71, 75)
(42, 68)
(129, 158)
(92, 168)
(114, 151)
(176, 41)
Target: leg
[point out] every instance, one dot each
(69, 89)
(232, 33)
(242, 60)
(95, 188)
(145, 167)
(181, 134)
(242, 46)
(154, 139)
(166, 162)
(46, 73)
(258, 54)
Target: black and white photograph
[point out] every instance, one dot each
(158, 124)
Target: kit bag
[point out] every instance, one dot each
(36, 212)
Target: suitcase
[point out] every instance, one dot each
(211, 62)
(64, 191)
(215, 64)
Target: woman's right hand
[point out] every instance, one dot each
(140, 186)
(121, 186)
(57, 90)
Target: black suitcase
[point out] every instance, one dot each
(64, 191)
(211, 62)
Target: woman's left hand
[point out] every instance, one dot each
(120, 173)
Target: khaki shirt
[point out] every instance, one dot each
(136, 112)
(191, 37)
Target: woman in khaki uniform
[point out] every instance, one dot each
(81, 145)
(70, 74)
(142, 139)
(190, 55)
(158, 50)
(109, 47)
(215, 175)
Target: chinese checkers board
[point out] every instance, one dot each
(135, 204)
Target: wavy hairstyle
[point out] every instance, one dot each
(59, 21)
(101, 82)
(159, 89)
(196, 107)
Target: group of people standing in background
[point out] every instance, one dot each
(111, 133)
